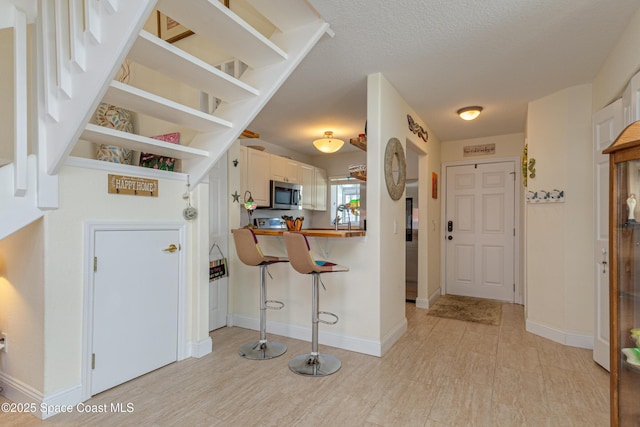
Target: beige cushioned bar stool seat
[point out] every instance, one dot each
(312, 364)
(250, 253)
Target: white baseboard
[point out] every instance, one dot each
(559, 336)
(360, 345)
(393, 336)
(201, 348)
(428, 302)
(69, 398)
(43, 407)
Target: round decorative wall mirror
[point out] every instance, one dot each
(395, 168)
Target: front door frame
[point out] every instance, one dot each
(518, 223)
(90, 229)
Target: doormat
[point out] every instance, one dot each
(468, 309)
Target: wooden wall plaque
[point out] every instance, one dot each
(132, 185)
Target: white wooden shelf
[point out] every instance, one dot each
(105, 135)
(239, 38)
(177, 64)
(138, 100)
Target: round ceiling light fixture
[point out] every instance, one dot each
(328, 144)
(469, 113)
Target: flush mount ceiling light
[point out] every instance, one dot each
(469, 113)
(328, 144)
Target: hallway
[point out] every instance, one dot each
(441, 373)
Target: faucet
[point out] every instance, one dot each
(336, 221)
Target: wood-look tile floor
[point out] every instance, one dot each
(440, 373)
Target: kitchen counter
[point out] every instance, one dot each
(315, 232)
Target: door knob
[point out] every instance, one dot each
(171, 248)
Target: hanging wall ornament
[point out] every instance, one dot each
(395, 168)
(189, 213)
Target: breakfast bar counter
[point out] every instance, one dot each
(314, 232)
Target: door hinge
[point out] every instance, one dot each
(93, 361)
(95, 264)
(514, 287)
(514, 231)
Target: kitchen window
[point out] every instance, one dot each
(345, 193)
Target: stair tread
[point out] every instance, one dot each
(144, 102)
(173, 62)
(109, 136)
(230, 32)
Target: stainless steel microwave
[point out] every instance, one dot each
(285, 195)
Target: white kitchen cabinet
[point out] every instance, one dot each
(285, 170)
(257, 176)
(308, 186)
(321, 189)
(314, 188)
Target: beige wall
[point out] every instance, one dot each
(386, 119)
(83, 197)
(22, 306)
(623, 62)
(559, 242)
(510, 145)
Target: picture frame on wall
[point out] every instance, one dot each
(171, 30)
(434, 185)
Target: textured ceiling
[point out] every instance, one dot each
(442, 55)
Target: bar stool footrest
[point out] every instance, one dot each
(318, 365)
(328, 322)
(275, 305)
(262, 350)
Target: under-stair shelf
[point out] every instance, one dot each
(105, 135)
(239, 39)
(175, 63)
(140, 101)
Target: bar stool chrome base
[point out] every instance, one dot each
(319, 365)
(262, 350)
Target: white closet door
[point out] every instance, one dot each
(607, 124)
(135, 304)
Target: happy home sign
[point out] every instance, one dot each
(132, 185)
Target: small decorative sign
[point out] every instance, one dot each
(119, 184)
(217, 267)
(479, 150)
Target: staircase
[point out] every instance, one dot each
(81, 45)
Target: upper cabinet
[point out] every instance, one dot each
(256, 175)
(314, 188)
(285, 170)
(258, 168)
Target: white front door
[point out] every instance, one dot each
(135, 304)
(480, 230)
(607, 124)
(218, 241)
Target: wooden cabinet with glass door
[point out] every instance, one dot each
(624, 288)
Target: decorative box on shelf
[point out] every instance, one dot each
(358, 172)
(360, 142)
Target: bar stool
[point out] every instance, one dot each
(312, 364)
(250, 253)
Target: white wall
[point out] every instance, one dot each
(83, 197)
(560, 235)
(22, 307)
